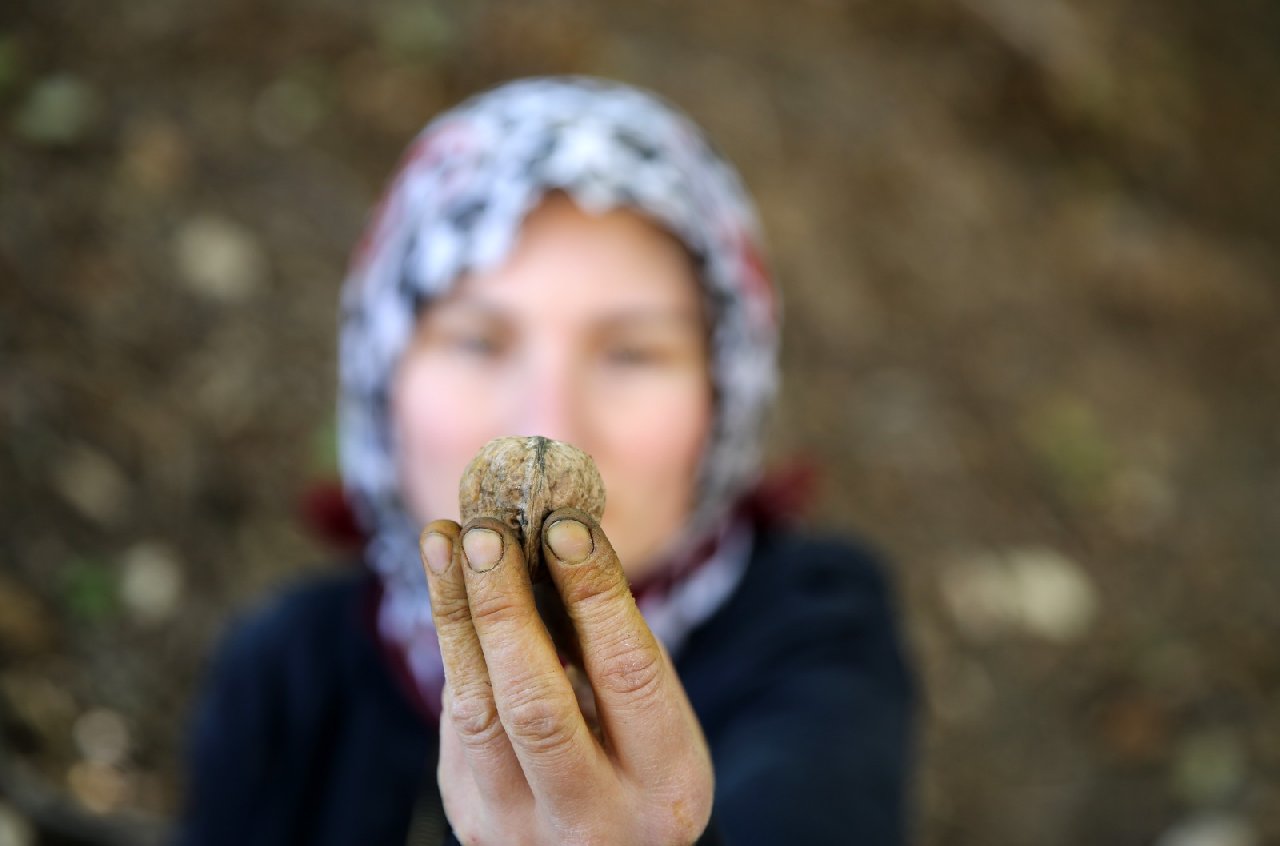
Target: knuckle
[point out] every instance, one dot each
(540, 722)
(595, 590)
(450, 609)
(635, 673)
(475, 719)
(497, 609)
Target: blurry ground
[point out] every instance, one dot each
(1029, 254)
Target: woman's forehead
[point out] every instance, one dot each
(608, 308)
(571, 260)
(479, 307)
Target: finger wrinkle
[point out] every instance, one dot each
(475, 718)
(499, 611)
(450, 610)
(542, 724)
(636, 674)
(598, 599)
(591, 577)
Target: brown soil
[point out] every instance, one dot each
(1029, 256)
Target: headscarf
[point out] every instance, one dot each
(456, 205)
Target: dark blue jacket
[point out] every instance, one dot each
(304, 735)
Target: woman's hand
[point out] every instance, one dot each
(519, 762)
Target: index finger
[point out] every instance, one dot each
(469, 721)
(641, 704)
(535, 701)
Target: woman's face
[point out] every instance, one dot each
(591, 333)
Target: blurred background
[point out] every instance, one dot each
(1029, 255)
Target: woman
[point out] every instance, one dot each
(570, 258)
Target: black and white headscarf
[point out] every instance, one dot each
(456, 205)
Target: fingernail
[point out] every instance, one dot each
(483, 548)
(570, 541)
(437, 551)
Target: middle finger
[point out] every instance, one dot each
(535, 700)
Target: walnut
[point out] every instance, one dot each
(521, 480)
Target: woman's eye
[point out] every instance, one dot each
(475, 345)
(633, 356)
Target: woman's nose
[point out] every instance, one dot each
(550, 402)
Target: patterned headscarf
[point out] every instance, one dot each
(456, 205)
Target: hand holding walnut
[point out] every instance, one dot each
(519, 761)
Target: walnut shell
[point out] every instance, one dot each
(521, 480)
